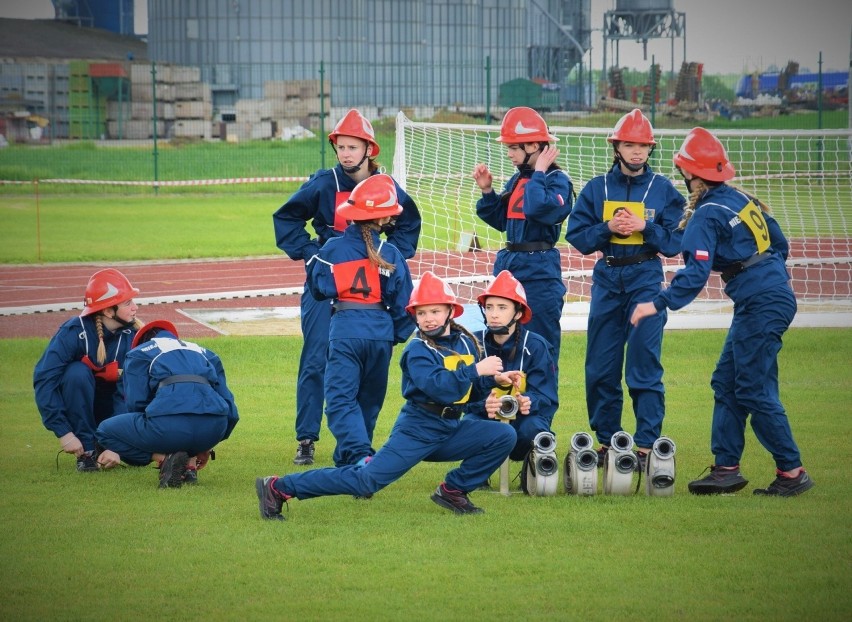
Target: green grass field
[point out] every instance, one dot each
(111, 544)
(78, 546)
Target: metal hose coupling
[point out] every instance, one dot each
(661, 468)
(581, 466)
(509, 407)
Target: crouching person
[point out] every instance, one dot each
(442, 369)
(179, 407)
(505, 312)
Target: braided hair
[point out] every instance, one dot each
(99, 327)
(367, 228)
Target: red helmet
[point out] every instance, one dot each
(355, 124)
(143, 335)
(375, 197)
(432, 290)
(107, 288)
(633, 127)
(508, 287)
(702, 155)
(524, 125)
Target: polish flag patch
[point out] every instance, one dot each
(702, 255)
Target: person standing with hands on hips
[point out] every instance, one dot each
(728, 231)
(629, 215)
(370, 284)
(442, 370)
(531, 209)
(354, 142)
(77, 379)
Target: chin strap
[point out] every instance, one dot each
(437, 332)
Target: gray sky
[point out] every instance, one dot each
(728, 36)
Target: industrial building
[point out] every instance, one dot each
(246, 68)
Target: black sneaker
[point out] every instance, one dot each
(719, 481)
(641, 461)
(602, 455)
(304, 453)
(454, 500)
(172, 469)
(785, 486)
(87, 462)
(190, 477)
(270, 503)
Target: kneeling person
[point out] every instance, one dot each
(179, 407)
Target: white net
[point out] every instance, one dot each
(804, 176)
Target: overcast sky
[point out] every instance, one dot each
(728, 36)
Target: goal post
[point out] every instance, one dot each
(805, 176)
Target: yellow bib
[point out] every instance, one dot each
(637, 207)
(752, 216)
(453, 362)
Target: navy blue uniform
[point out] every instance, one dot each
(616, 289)
(429, 376)
(369, 318)
(177, 400)
(745, 381)
(527, 352)
(72, 393)
(316, 202)
(531, 210)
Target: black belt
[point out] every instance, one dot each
(183, 378)
(629, 260)
(735, 268)
(347, 305)
(444, 412)
(528, 247)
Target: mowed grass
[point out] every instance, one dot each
(112, 545)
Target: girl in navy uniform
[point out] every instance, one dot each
(531, 209)
(731, 232)
(442, 369)
(506, 314)
(76, 379)
(370, 284)
(629, 215)
(178, 407)
(354, 142)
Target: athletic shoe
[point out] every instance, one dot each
(720, 480)
(87, 463)
(191, 476)
(304, 453)
(454, 500)
(270, 501)
(641, 461)
(172, 469)
(601, 451)
(786, 486)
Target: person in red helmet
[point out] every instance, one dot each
(630, 216)
(728, 231)
(442, 370)
(76, 380)
(354, 141)
(531, 209)
(506, 313)
(178, 407)
(369, 283)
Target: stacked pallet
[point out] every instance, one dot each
(86, 113)
(298, 102)
(140, 118)
(193, 104)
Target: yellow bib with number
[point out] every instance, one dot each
(611, 208)
(453, 362)
(752, 216)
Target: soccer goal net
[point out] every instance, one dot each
(804, 176)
